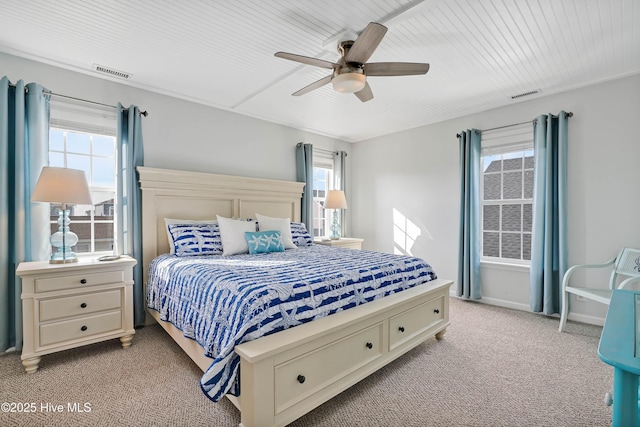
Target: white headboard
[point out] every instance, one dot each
(168, 193)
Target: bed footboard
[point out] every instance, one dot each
(285, 375)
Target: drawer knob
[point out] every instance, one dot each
(83, 305)
(436, 311)
(84, 328)
(83, 281)
(301, 379)
(369, 345)
(401, 328)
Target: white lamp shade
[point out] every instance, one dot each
(335, 200)
(349, 82)
(62, 185)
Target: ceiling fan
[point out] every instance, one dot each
(351, 71)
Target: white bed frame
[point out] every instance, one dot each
(287, 374)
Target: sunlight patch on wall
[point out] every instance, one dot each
(405, 233)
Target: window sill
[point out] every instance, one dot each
(504, 266)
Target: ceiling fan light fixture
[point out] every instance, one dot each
(349, 82)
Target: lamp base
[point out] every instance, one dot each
(63, 261)
(335, 227)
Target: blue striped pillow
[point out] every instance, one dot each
(196, 239)
(300, 235)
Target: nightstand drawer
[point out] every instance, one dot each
(53, 333)
(75, 281)
(58, 308)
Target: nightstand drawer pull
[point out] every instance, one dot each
(436, 311)
(83, 305)
(369, 345)
(83, 281)
(401, 328)
(301, 379)
(84, 328)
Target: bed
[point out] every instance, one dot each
(289, 372)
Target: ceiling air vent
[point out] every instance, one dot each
(522, 95)
(112, 72)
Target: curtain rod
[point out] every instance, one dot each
(323, 150)
(46, 92)
(569, 114)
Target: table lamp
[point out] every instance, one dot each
(64, 186)
(335, 200)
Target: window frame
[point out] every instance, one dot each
(73, 116)
(326, 161)
(504, 142)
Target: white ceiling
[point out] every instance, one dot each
(221, 52)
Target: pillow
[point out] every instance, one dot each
(232, 235)
(300, 235)
(262, 242)
(169, 221)
(283, 225)
(195, 239)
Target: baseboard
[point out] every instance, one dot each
(576, 317)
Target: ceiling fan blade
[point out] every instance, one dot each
(315, 85)
(365, 94)
(307, 60)
(366, 43)
(395, 68)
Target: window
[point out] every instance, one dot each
(84, 138)
(323, 181)
(507, 195)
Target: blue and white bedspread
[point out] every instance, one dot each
(223, 301)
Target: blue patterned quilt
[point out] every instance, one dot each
(223, 301)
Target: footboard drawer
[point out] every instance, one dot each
(417, 320)
(302, 376)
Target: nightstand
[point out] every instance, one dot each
(69, 305)
(344, 242)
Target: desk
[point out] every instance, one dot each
(620, 348)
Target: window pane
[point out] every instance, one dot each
(528, 184)
(492, 189)
(56, 159)
(491, 217)
(104, 236)
(83, 230)
(528, 160)
(511, 218)
(104, 208)
(526, 247)
(492, 163)
(103, 173)
(511, 246)
(491, 244)
(512, 185)
(56, 140)
(512, 164)
(527, 216)
(103, 146)
(79, 143)
(75, 161)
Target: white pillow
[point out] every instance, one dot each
(232, 235)
(169, 221)
(283, 225)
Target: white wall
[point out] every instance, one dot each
(184, 135)
(416, 172)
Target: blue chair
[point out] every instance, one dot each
(626, 264)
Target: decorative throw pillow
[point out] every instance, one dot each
(169, 221)
(195, 239)
(261, 242)
(283, 225)
(300, 235)
(232, 235)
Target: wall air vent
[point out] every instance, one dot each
(112, 72)
(521, 95)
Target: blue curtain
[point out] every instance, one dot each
(24, 226)
(469, 285)
(549, 232)
(304, 173)
(129, 197)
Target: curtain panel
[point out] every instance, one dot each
(340, 167)
(469, 284)
(129, 199)
(24, 226)
(549, 229)
(304, 173)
